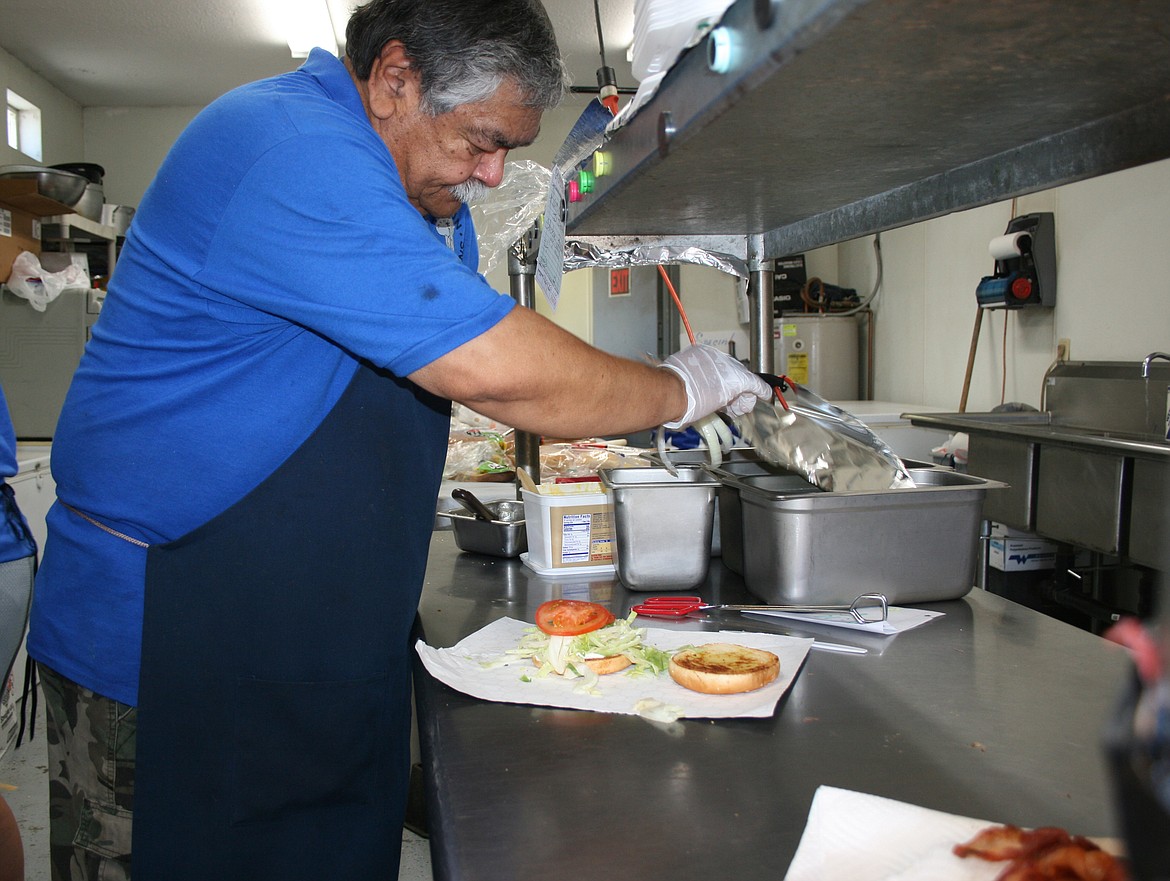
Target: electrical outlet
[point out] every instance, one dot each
(1063, 349)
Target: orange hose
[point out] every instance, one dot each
(682, 313)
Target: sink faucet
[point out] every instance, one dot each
(1150, 357)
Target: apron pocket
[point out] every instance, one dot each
(303, 746)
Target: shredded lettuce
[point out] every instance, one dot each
(657, 711)
(565, 655)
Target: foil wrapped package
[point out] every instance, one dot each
(832, 449)
(589, 255)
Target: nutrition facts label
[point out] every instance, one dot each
(575, 532)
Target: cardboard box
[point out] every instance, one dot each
(18, 232)
(21, 210)
(569, 530)
(790, 277)
(1011, 550)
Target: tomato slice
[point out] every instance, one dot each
(571, 617)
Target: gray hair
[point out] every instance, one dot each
(463, 49)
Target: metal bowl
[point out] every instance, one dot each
(91, 171)
(506, 536)
(91, 202)
(61, 186)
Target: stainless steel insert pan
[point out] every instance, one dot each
(914, 545)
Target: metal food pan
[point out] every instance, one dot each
(913, 545)
(505, 537)
(728, 507)
(737, 457)
(662, 525)
(746, 466)
(701, 456)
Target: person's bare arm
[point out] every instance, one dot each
(528, 373)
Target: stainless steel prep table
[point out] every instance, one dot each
(993, 711)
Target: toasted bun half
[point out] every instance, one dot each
(723, 668)
(602, 666)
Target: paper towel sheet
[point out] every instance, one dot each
(461, 667)
(869, 838)
(865, 837)
(898, 619)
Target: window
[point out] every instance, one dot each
(24, 126)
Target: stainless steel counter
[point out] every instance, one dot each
(1040, 428)
(993, 711)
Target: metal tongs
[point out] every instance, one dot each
(869, 608)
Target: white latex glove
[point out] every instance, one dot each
(714, 381)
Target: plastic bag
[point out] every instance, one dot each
(829, 447)
(576, 460)
(508, 211)
(40, 287)
(480, 454)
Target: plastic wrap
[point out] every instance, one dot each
(584, 459)
(483, 454)
(40, 287)
(507, 213)
(586, 255)
(829, 447)
(480, 454)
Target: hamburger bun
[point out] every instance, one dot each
(723, 668)
(601, 666)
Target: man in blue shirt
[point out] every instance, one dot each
(248, 459)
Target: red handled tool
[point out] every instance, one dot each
(869, 608)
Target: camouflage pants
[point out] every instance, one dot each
(91, 742)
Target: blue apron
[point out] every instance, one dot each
(274, 700)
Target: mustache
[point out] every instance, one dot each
(469, 191)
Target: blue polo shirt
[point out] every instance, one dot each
(16, 539)
(274, 249)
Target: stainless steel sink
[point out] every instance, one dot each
(1048, 427)
(1092, 470)
(1149, 535)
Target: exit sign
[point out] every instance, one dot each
(619, 282)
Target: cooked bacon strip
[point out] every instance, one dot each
(997, 843)
(993, 843)
(1044, 854)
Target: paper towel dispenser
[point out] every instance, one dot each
(1025, 265)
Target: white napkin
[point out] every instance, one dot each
(860, 837)
(461, 667)
(853, 836)
(898, 619)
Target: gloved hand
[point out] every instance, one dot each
(714, 381)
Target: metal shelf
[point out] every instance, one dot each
(76, 233)
(841, 118)
(75, 228)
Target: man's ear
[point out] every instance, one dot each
(393, 82)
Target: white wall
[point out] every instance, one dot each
(130, 144)
(61, 117)
(1113, 292)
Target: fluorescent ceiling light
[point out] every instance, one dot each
(308, 24)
